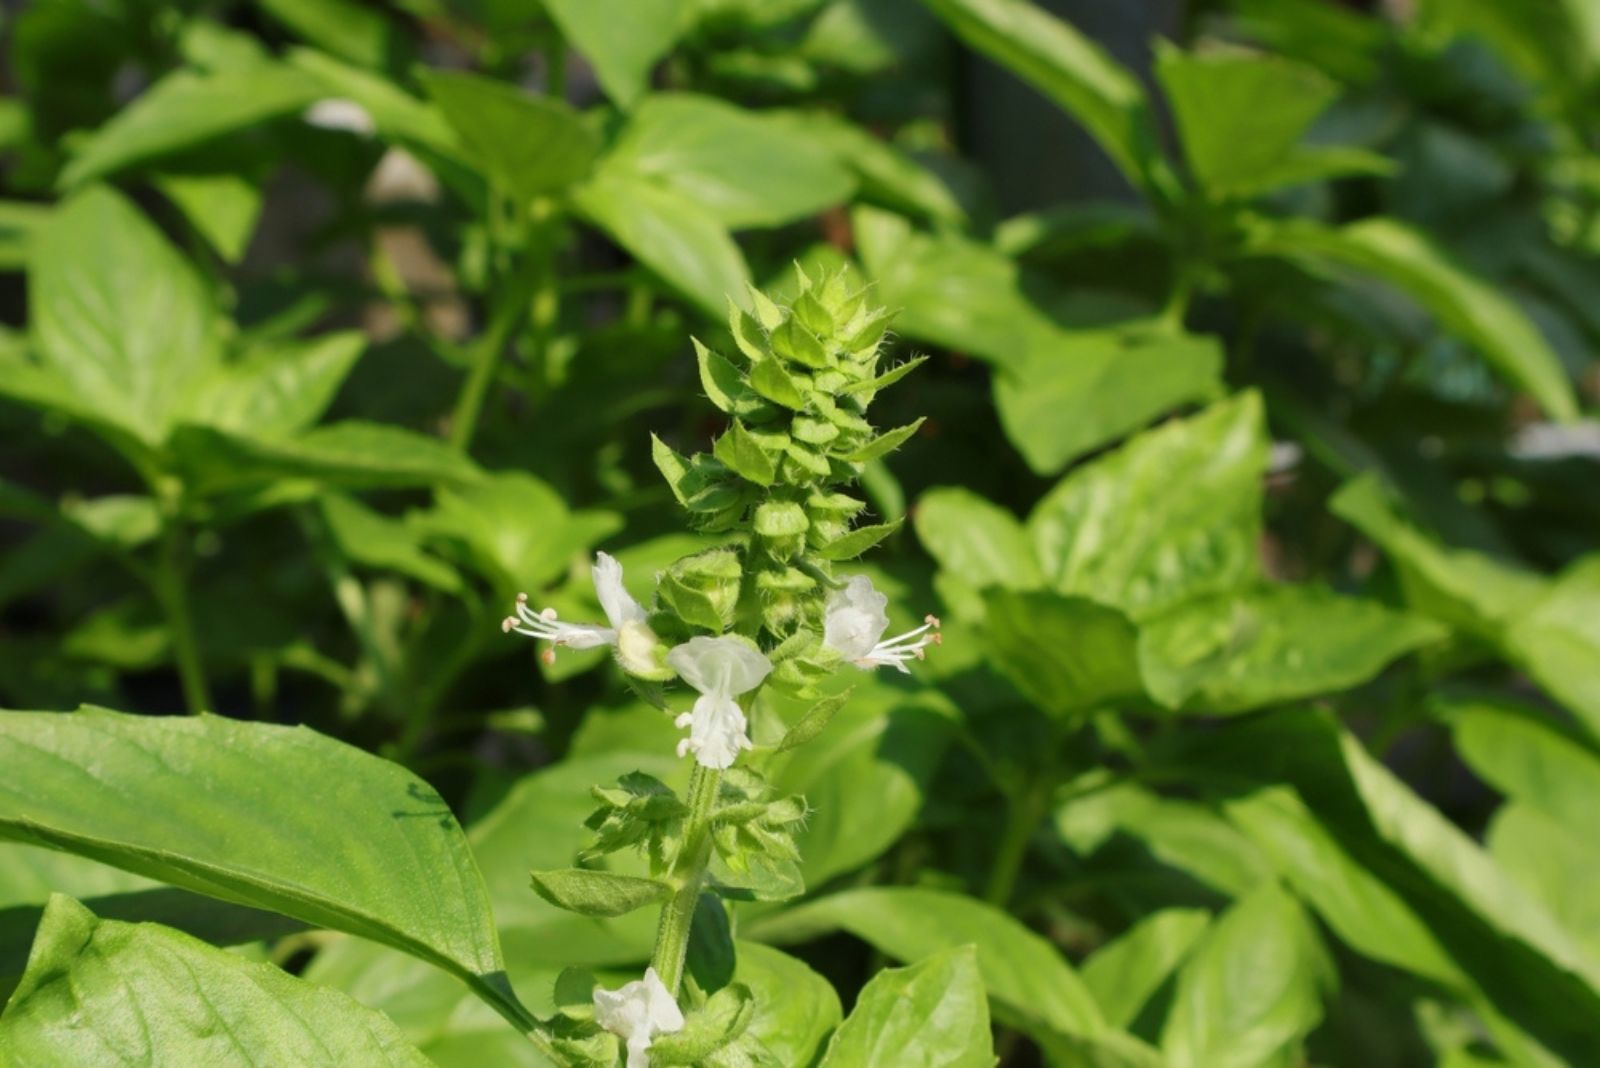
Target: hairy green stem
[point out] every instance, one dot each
(169, 582)
(677, 915)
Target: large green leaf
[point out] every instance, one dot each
(671, 235)
(223, 206)
(1466, 589)
(1128, 972)
(517, 529)
(1522, 754)
(740, 167)
(530, 145)
(278, 818)
(622, 39)
(1070, 69)
(1237, 651)
(101, 991)
(1557, 640)
(119, 315)
(1080, 389)
(979, 542)
(186, 108)
(1467, 306)
(346, 28)
(885, 174)
(371, 538)
(1242, 116)
(1031, 984)
(278, 389)
(932, 1012)
(796, 1009)
(1557, 862)
(1252, 989)
(1068, 655)
(878, 754)
(1173, 514)
(351, 454)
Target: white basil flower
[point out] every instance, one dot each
(636, 1013)
(632, 636)
(853, 627)
(720, 669)
(337, 113)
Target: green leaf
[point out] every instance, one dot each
(1125, 974)
(1557, 640)
(1252, 989)
(373, 539)
(118, 314)
(100, 991)
(796, 1009)
(853, 544)
(516, 529)
(889, 378)
(1067, 67)
(706, 1030)
(1523, 755)
(933, 1012)
(878, 755)
(1467, 306)
(769, 379)
(739, 167)
(978, 542)
(1466, 589)
(671, 235)
(1242, 117)
(19, 220)
(1080, 389)
(1173, 514)
(530, 145)
(350, 842)
(813, 722)
(744, 455)
(185, 109)
(349, 454)
(1031, 985)
(885, 443)
(598, 893)
(1556, 862)
(224, 207)
(348, 29)
(723, 383)
(621, 39)
(1068, 655)
(885, 174)
(1238, 651)
(279, 389)
(398, 115)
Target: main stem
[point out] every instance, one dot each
(169, 582)
(677, 915)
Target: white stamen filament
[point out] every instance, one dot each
(912, 645)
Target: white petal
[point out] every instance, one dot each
(665, 1016)
(585, 635)
(724, 666)
(614, 597)
(337, 113)
(855, 619)
(717, 732)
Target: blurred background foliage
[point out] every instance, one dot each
(331, 326)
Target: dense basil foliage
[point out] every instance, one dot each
(1252, 468)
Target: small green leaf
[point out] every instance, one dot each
(278, 389)
(857, 541)
(769, 379)
(598, 893)
(100, 992)
(780, 519)
(375, 540)
(888, 378)
(744, 455)
(724, 385)
(350, 454)
(1126, 973)
(932, 1012)
(721, 1020)
(1557, 640)
(813, 722)
(885, 443)
(531, 145)
(673, 467)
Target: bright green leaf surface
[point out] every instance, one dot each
(101, 992)
(933, 1012)
(179, 800)
(1173, 514)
